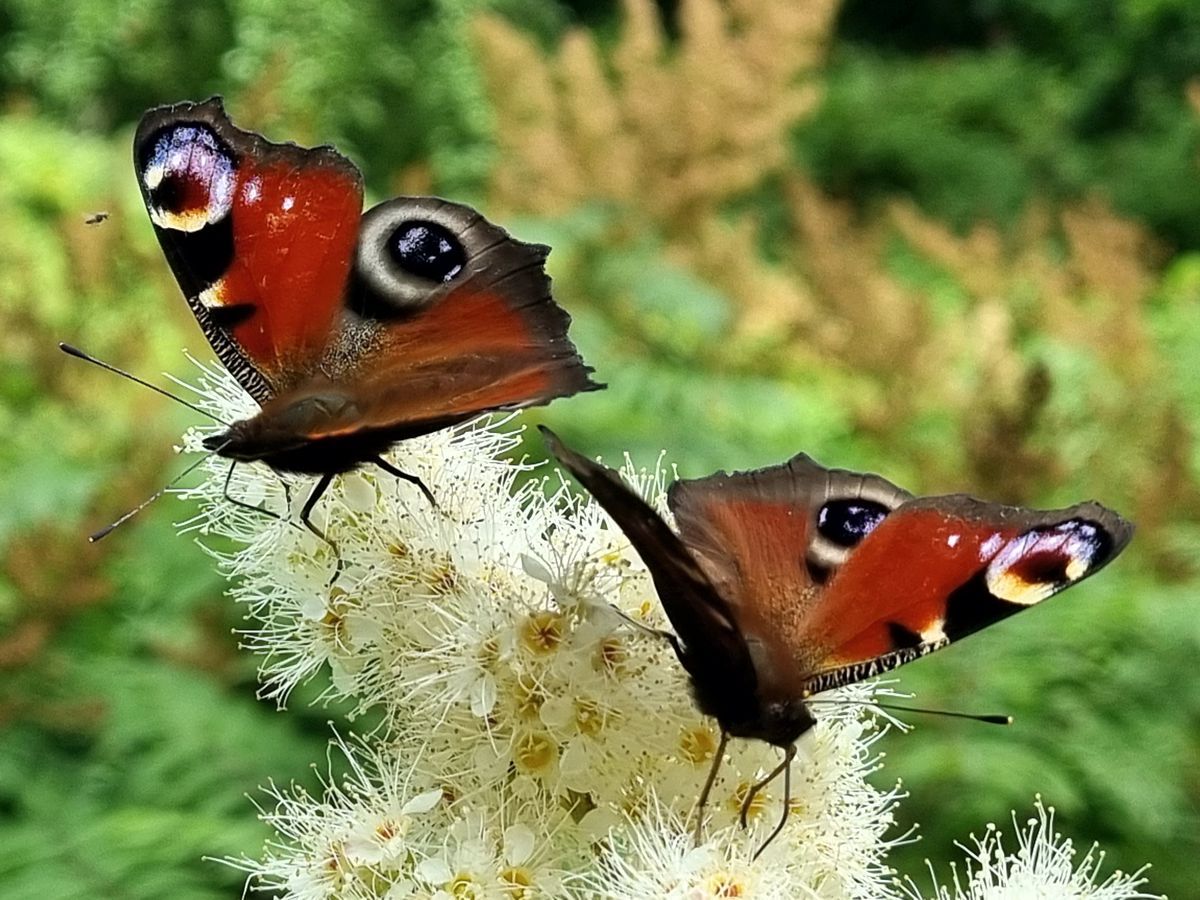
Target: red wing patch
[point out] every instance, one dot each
(294, 232)
(897, 581)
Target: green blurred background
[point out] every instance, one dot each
(954, 243)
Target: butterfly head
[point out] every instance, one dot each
(779, 722)
(238, 441)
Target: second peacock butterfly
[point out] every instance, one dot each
(352, 331)
(791, 580)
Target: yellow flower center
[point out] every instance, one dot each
(388, 829)
(589, 717)
(528, 697)
(611, 655)
(442, 577)
(464, 886)
(739, 797)
(698, 744)
(534, 752)
(725, 884)
(518, 880)
(489, 652)
(542, 632)
(334, 620)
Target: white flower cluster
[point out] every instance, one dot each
(537, 740)
(1041, 866)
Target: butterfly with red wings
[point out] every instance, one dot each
(791, 580)
(352, 331)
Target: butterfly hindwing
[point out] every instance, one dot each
(452, 317)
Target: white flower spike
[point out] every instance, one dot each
(536, 742)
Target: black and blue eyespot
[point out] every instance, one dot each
(414, 250)
(426, 250)
(189, 176)
(846, 522)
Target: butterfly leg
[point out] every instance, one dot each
(287, 492)
(659, 633)
(411, 479)
(786, 768)
(317, 491)
(718, 756)
(242, 503)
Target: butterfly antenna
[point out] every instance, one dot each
(107, 529)
(87, 357)
(975, 717)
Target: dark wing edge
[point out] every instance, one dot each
(546, 318)
(700, 617)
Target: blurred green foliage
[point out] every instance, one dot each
(974, 107)
(970, 261)
(391, 82)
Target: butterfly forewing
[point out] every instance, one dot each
(260, 237)
(940, 568)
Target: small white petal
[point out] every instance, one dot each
(557, 712)
(597, 823)
(342, 672)
(519, 842)
(534, 568)
(483, 696)
(434, 870)
(423, 803)
(358, 494)
(575, 764)
(313, 607)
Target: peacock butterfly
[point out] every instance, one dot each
(790, 580)
(352, 331)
